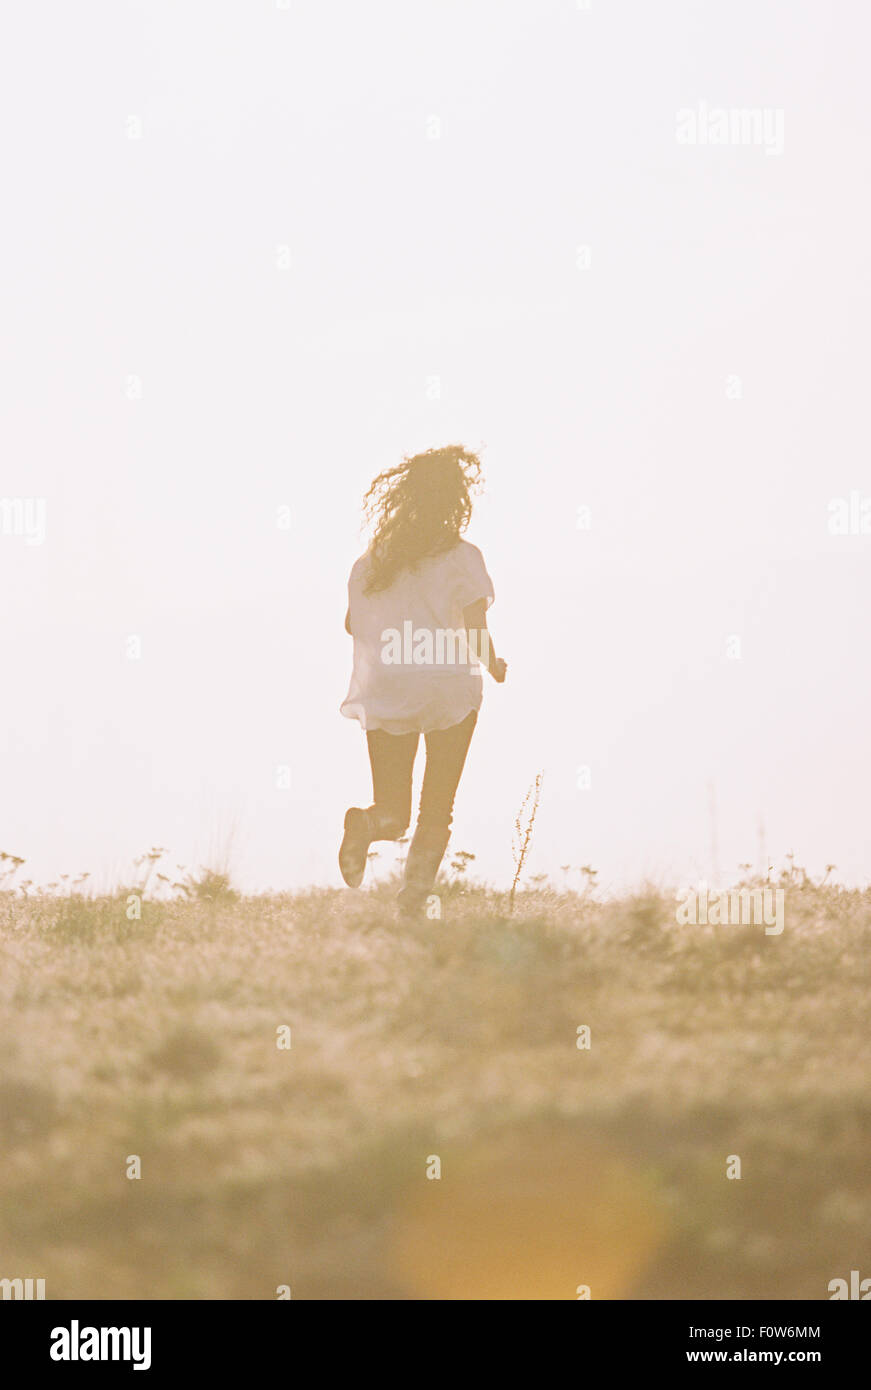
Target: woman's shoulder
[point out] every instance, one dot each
(361, 565)
(461, 561)
(469, 555)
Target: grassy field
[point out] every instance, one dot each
(453, 1039)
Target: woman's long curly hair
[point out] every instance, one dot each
(419, 508)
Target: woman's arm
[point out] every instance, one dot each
(348, 622)
(475, 620)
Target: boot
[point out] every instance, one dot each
(355, 846)
(361, 828)
(425, 854)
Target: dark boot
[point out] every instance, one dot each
(362, 826)
(355, 846)
(425, 854)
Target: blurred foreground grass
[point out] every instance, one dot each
(457, 1038)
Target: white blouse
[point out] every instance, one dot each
(412, 672)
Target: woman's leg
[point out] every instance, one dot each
(392, 760)
(446, 751)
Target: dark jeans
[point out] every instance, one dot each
(392, 758)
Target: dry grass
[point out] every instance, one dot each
(455, 1038)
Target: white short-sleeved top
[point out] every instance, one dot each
(404, 681)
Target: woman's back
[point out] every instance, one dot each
(411, 668)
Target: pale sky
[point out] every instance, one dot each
(169, 382)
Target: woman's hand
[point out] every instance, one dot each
(498, 670)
